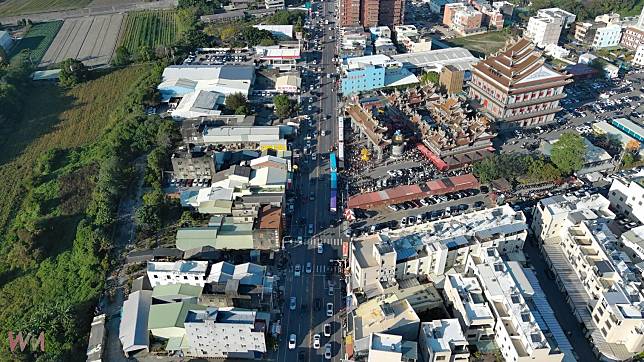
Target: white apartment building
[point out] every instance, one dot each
(225, 333)
(431, 249)
(380, 315)
(182, 271)
(638, 59)
(380, 32)
(544, 30)
(274, 4)
(517, 333)
(408, 36)
(551, 214)
(608, 36)
(465, 297)
(382, 347)
(633, 246)
(600, 274)
(568, 18)
(626, 197)
(442, 340)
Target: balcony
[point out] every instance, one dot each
(538, 100)
(532, 114)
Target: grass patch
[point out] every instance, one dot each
(38, 39)
(20, 7)
(149, 28)
(482, 44)
(56, 119)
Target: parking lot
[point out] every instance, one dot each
(586, 103)
(417, 211)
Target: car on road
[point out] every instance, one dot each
(301, 355)
(321, 247)
(327, 330)
(316, 341)
(330, 291)
(298, 270)
(310, 229)
(327, 351)
(308, 267)
(329, 309)
(291, 341)
(293, 303)
(318, 304)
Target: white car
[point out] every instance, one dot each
(320, 248)
(298, 270)
(330, 291)
(329, 309)
(327, 351)
(308, 267)
(291, 341)
(316, 341)
(327, 330)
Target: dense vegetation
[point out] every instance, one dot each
(60, 197)
(588, 10)
(19, 7)
(152, 29)
(37, 39)
(567, 156)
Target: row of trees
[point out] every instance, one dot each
(14, 79)
(567, 156)
(587, 9)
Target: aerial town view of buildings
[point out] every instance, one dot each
(350, 180)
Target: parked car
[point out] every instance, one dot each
(316, 341)
(329, 309)
(327, 351)
(327, 330)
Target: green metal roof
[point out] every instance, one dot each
(176, 289)
(170, 314)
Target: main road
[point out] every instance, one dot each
(312, 211)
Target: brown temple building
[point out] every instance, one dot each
(368, 13)
(517, 88)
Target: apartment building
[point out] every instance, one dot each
(370, 13)
(373, 72)
(517, 88)
(274, 4)
(182, 271)
(241, 286)
(464, 295)
(410, 39)
(626, 196)
(517, 333)
(452, 79)
(599, 274)
(462, 18)
(431, 249)
(544, 30)
(607, 36)
(442, 340)
(383, 347)
(378, 316)
(225, 333)
(632, 37)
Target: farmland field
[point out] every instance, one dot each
(149, 28)
(19, 7)
(90, 39)
(38, 39)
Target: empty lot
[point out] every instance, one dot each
(89, 39)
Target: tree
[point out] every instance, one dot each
(429, 77)
(569, 153)
(632, 146)
(72, 72)
(144, 54)
(236, 100)
(122, 56)
(284, 106)
(147, 218)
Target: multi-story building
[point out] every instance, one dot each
(241, 286)
(274, 4)
(408, 37)
(431, 249)
(438, 6)
(633, 37)
(382, 347)
(369, 13)
(517, 88)
(182, 271)
(607, 36)
(442, 340)
(463, 18)
(566, 17)
(452, 79)
(464, 296)
(195, 162)
(584, 32)
(373, 72)
(544, 30)
(601, 281)
(626, 197)
(225, 333)
(380, 32)
(638, 59)
(517, 333)
(378, 316)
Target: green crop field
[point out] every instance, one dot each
(149, 28)
(38, 39)
(20, 7)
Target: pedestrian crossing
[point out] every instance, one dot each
(326, 241)
(320, 269)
